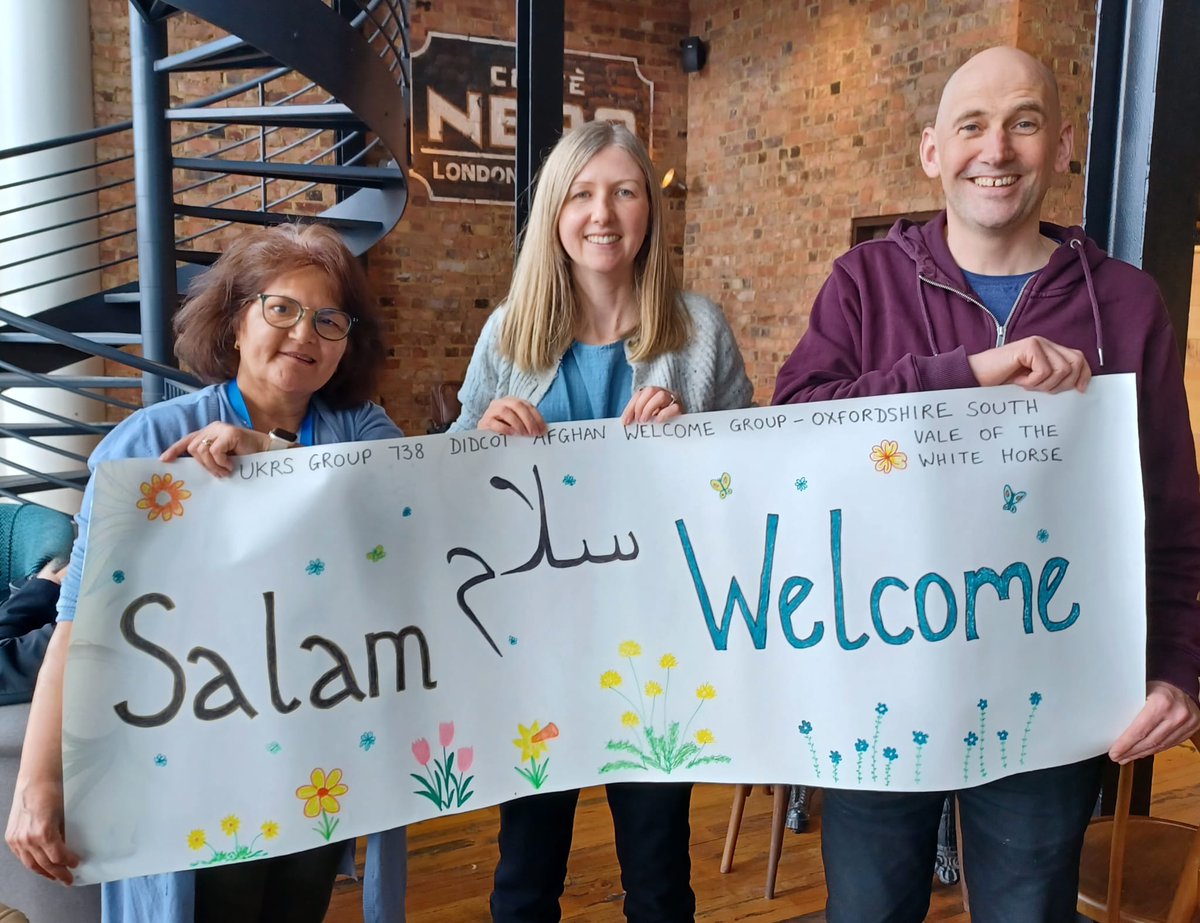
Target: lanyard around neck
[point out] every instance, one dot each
(239, 408)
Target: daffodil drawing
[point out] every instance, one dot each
(533, 742)
(236, 851)
(651, 740)
(888, 457)
(442, 784)
(163, 496)
(320, 799)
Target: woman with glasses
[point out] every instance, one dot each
(594, 326)
(286, 332)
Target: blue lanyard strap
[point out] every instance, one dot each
(239, 408)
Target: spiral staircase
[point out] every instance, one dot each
(309, 122)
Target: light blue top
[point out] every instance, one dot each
(170, 898)
(593, 383)
(707, 373)
(999, 294)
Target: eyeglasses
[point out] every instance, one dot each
(282, 311)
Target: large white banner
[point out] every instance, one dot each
(925, 591)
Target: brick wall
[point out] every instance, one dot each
(808, 116)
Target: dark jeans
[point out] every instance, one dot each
(1021, 839)
(282, 889)
(652, 835)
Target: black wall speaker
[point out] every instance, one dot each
(695, 53)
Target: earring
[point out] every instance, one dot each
(237, 345)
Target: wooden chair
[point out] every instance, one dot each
(1139, 869)
(778, 822)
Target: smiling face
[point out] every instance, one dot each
(997, 143)
(294, 362)
(602, 224)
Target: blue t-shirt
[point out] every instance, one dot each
(999, 294)
(593, 383)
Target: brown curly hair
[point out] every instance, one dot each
(206, 325)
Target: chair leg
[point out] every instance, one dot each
(778, 822)
(735, 824)
(962, 867)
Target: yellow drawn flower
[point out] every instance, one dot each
(630, 649)
(705, 692)
(887, 455)
(163, 496)
(629, 719)
(270, 829)
(704, 737)
(653, 689)
(230, 824)
(530, 749)
(610, 679)
(323, 793)
(668, 661)
(197, 839)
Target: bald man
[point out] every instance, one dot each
(988, 294)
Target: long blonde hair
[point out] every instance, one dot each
(542, 308)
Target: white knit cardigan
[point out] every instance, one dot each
(707, 374)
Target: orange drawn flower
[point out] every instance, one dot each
(163, 496)
(323, 793)
(887, 455)
(549, 732)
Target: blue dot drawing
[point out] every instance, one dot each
(569, 480)
(407, 511)
(1043, 536)
(512, 640)
(367, 740)
(160, 760)
(801, 483)
(118, 576)
(316, 567)
(274, 747)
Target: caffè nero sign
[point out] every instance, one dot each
(464, 113)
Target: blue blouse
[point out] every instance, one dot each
(593, 383)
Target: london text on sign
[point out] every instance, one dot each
(464, 124)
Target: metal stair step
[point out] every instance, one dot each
(272, 218)
(28, 483)
(363, 177)
(327, 115)
(108, 339)
(229, 53)
(198, 257)
(13, 380)
(39, 430)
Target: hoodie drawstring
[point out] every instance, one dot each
(925, 314)
(1077, 246)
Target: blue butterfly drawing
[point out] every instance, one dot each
(1012, 498)
(722, 486)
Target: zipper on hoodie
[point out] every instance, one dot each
(1001, 329)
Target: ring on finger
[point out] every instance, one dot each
(207, 441)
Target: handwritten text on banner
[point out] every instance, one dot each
(913, 592)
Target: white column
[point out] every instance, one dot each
(46, 92)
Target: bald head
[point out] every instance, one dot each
(1001, 67)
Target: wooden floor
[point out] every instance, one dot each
(451, 861)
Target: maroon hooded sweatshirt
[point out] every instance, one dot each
(897, 316)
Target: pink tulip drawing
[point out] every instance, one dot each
(444, 784)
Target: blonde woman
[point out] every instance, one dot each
(594, 326)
